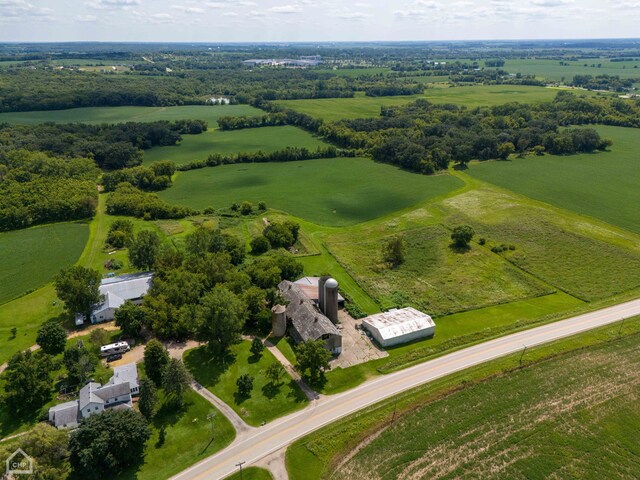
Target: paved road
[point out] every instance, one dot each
(284, 431)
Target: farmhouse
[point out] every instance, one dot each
(95, 398)
(116, 291)
(399, 326)
(303, 320)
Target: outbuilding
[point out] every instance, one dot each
(399, 326)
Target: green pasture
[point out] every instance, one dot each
(219, 375)
(601, 185)
(252, 473)
(474, 96)
(267, 139)
(553, 71)
(31, 257)
(335, 191)
(96, 115)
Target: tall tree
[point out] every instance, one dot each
(48, 446)
(144, 249)
(156, 359)
(104, 445)
(176, 381)
(313, 359)
(393, 251)
(130, 318)
(462, 235)
(52, 338)
(219, 319)
(28, 381)
(80, 364)
(78, 287)
(148, 398)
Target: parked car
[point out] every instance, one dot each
(114, 357)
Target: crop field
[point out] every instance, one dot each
(602, 185)
(31, 257)
(573, 416)
(362, 106)
(552, 70)
(130, 114)
(434, 278)
(199, 147)
(574, 256)
(335, 191)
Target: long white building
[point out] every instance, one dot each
(399, 326)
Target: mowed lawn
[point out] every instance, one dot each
(572, 416)
(603, 185)
(362, 106)
(199, 147)
(335, 191)
(95, 115)
(31, 257)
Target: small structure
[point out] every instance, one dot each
(399, 326)
(305, 322)
(95, 398)
(117, 290)
(279, 320)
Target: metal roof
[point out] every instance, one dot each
(125, 374)
(127, 287)
(398, 322)
(309, 286)
(64, 414)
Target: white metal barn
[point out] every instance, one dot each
(399, 326)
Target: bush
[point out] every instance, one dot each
(260, 245)
(246, 208)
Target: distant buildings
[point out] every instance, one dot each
(96, 398)
(304, 61)
(399, 326)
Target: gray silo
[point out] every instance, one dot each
(321, 282)
(278, 320)
(330, 298)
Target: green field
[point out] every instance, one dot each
(199, 147)
(475, 96)
(31, 257)
(335, 191)
(97, 115)
(267, 401)
(602, 185)
(552, 70)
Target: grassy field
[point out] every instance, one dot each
(31, 257)
(545, 419)
(130, 114)
(552, 70)
(602, 185)
(474, 96)
(434, 277)
(252, 473)
(571, 255)
(219, 375)
(199, 147)
(336, 191)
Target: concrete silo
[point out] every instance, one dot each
(278, 320)
(321, 282)
(330, 299)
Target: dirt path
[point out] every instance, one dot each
(308, 391)
(276, 464)
(238, 423)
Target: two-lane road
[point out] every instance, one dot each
(286, 430)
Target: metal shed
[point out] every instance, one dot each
(399, 326)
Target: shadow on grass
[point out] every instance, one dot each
(239, 398)
(169, 414)
(461, 166)
(296, 393)
(254, 358)
(271, 390)
(207, 367)
(455, 248)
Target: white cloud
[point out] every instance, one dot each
(86, 18)
(229, 14)
(286, 9)
(21, 8)
(113, 4)
(185, 9)
(552, 3)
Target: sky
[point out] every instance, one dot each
(314, 20)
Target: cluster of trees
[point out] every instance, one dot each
(387, 90)
(111, 146)
(155, 177)
(276, 234)
(277, 116)
(129, 200)
(36, 188)
(288, 154)
(603, 82)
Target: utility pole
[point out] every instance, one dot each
(210, 418)
(240, 466)
(522, 355)
(621, 325)
(395, 408)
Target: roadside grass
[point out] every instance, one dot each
(562, 251)
(190, 437)
(553, 394)
(601, 185)
(336, 191)
(434, 277)
(266, 139)
(267, 401)
(361, 106)
(251, 473)
(31, 257)
(97, 115)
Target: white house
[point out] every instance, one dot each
(399, 326)
(117, 290)
(95, 398)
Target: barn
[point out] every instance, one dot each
(399, 326)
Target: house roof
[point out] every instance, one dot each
(398, 322)
(125, 374)
(107, 391)
(306, 319)
(64, 413)
(127, 287)
(87, 394)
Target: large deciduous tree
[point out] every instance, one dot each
(52, 338)
(148, 398)
(313, 359)
(462, 236)
(176, 380)
(27, 379)
(144, 249)
(130, 318)
(78, 287)
(156, 359)
(219, 319)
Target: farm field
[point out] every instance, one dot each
(336, 191)
(31, 257)
(601, 185)
(98, 115)
(553, 71)
(266, 139)
(575, 416)
(361, 106)
(219, 376)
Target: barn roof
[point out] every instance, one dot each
(306, 319)
(398, 322)
(127, 287)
